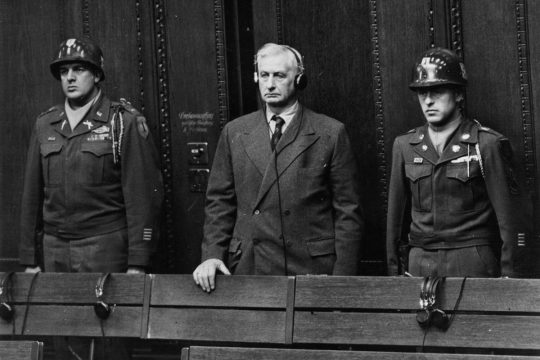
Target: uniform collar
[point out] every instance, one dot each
(468, 132)
(458, 145)
(96, 117)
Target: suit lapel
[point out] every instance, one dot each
(257, 143)
(297, 138)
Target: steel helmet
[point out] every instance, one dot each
(438, 66)
(78, 50)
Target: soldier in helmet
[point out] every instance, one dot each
(452, 186)
(92, 189)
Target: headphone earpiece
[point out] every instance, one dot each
(439, 319)
(423, 317)
(101, 308)
(7, 312)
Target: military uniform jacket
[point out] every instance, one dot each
(451, 203)
(74, 189)
(318, 197)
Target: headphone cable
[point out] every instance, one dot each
(458, 301)
(28, 295)
(282, 235)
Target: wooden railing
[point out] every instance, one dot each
(317, 316)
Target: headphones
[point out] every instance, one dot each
(101, 308)
(7, 312)
(300, 80)
(430, 314)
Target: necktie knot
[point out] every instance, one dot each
(279, 122)
(276, 135)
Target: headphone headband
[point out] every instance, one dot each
(101, 308)
(7, 312)
(429, 313)
(101, 284)
(6, 282)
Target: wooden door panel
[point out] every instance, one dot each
(335, 42)
(196, 73)
(500, 69)
(27, 43)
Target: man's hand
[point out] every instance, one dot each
(205, 274)
(135, 270)
(32, 270)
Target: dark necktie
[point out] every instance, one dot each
(276, 135)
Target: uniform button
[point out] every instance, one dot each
(288, 243)
(257, 212)
(287, 212)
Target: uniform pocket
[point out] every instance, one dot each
(464, 185)
(52, 164)
(97, 163)
(419, 176)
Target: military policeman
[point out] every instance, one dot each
(92, 188)
(452, 186)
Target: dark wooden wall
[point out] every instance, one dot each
(188, 65)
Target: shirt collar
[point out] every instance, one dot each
(287, 115)
(75, 116)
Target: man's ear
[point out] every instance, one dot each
(97, 76)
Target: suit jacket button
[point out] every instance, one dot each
(287, 212)
(257, 212)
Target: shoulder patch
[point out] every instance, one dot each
(47, 111)
(142, 127)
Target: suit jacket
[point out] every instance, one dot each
(311, 218)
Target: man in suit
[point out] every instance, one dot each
(283, 195)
